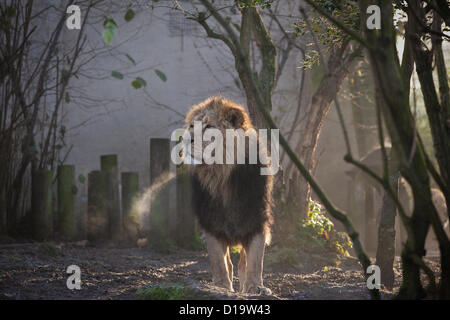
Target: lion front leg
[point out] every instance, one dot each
(242, 269)
(253, 282)
(218, 258)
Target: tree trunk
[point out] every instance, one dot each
(386, 236)
(321, 103)
(252, 28)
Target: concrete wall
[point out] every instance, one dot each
(107, 115)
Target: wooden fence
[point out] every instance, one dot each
(111, 215)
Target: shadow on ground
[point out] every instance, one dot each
(38, 271)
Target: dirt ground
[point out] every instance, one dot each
(38, 271)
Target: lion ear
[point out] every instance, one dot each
(235, 117)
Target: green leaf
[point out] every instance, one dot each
(129, 15)
(109, 23)
(81, 178)
(117, 75)
(130, 58)
(67, 97)
(110, 27)
(138, 83)
(161, 75)
(64, 75)
(107, 36)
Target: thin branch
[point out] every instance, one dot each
(201, 19)
(356, 36)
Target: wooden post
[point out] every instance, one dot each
(98, 219)
(159, 158)
(41, 204)
(159, 168)
(108, 163)
(130, 190)
(66, 222)
(185, 224)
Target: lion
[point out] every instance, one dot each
(232, 202)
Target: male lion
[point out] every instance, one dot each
(231, 201)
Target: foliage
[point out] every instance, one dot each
(161, 243)
(310, 59)
(161, 75)
(81, 178)
(129, 15)
(117, 75)
(138, 83)
(327, 33)
(164, 291)
(315, 236)
(264, 4)
(109, 30)
(197, 243)
(317, 233)
(287, 256)
(235, 252)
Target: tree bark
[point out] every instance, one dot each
(252, 28)
(386, 236)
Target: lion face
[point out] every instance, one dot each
(214, 114)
